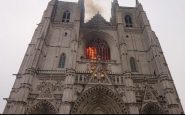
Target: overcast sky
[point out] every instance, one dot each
(19, 18)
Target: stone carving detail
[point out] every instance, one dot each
(102, 81)
(33, 96)
(42, 107)
(121, 92)
(99, 95)
(47, 88)
(99, 72)
(152, 108)
(139, 86)
(78, 89)
(43, 84)
(58, 86)
(139, 95)
(149, 94)
(58, 96)
(46, 93)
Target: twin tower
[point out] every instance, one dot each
(94, 67)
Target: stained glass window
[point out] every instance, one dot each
(97, 48)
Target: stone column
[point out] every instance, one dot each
(17, 103)
(68, 92)
(165, 79)
(124, 58)
(169, 93)
(130, 94)
(123, 47)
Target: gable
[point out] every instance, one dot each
(98, 20)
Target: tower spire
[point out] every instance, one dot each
(137, 3)
(115, 1)
(82, 10)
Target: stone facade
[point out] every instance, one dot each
(133, 78)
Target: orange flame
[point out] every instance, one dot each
(91, 52)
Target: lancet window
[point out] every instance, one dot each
(62, 61)
(66, 16)
(128, 21)
(133, 65)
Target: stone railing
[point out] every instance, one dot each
(51, 71)
(63, 24)
(133, 29)
(143, 76)
(84, 77)
(85, 60)
(115, 79)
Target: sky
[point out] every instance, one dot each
(19, 18)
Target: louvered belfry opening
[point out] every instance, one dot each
(97, 48)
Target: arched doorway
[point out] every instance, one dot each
(151, 108)
(43, 107)
(99, 100)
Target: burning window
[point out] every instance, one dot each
(97, 48)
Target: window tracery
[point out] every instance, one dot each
(151, 108)
(43, 107)
(97, 48)
(66, 16)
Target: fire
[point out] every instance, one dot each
(91, 52)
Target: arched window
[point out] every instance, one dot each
(97, 48)
(62, 61)
(128, 21)
(42, 108)
(151, 108)
(154, 73)
(133, 64)
(66, 16)
(65, 33)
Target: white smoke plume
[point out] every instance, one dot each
(92, 7)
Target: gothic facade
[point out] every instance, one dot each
(73, 67)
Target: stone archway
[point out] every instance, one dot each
(99, 100)
(43, 107)
(151, 108)
(88, 36)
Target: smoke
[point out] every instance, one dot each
(92, 7)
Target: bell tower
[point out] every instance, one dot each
(94, 67)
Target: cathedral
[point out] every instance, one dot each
(94, 67)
